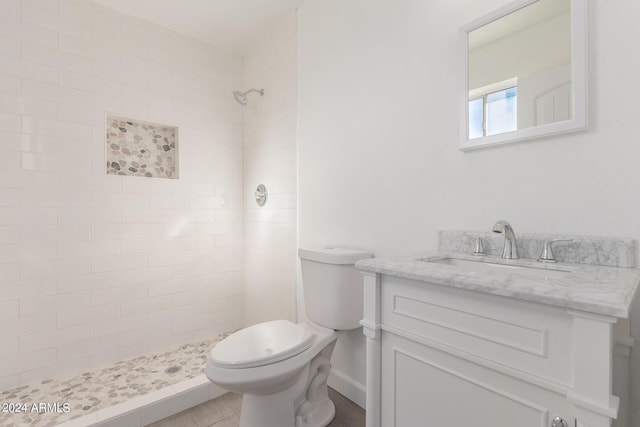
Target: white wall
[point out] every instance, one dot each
(96, 268)
(270, 158)
(378, 131)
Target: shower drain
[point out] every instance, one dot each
(172, 370)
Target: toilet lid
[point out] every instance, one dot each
(262, 344)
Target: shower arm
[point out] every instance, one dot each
(261, 91)
(241, 97)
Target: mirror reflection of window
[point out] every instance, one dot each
(502, 111)
(532, 43)
(476, 118)
(493, 111)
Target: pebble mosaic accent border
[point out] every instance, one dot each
(67, 398)
(139, 148)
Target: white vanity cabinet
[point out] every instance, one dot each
(443, 355)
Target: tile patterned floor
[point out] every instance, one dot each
(225, 412)
(221, 412)
(102, 388)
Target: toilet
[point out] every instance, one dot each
(282, 367)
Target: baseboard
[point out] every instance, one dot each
(348, 387)
(152, 407)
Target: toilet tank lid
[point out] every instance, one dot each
(333, 254)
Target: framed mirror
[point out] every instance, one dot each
(524, 73)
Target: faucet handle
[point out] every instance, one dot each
(547, 250)
(479, 248)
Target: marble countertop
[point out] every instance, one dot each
(594, 289)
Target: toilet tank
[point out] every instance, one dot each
(333, 287)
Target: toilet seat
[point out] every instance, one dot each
(262, 344)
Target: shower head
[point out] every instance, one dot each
(241, 97)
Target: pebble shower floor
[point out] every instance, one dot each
(101, 388)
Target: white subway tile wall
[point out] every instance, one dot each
(96, 268)
(270, 159)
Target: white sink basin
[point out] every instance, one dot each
(478, 266)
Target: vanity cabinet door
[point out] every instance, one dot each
(422, 386)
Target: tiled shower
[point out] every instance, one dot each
(98, 268)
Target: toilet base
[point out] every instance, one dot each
(306, 403)
(322, 415)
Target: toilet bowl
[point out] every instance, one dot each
(282, 370)
(282, 367)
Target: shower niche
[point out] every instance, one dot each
(141, 148)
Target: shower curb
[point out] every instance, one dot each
(144, 410)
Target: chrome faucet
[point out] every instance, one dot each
(510, 250)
